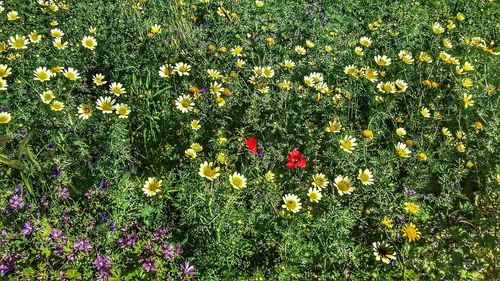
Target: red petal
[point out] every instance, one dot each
(252, 145)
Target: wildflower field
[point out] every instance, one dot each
(249, 140)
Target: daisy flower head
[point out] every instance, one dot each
(365, 41)
(468, 101)
(358, 51)
(300, 50)
(5, 117)
(42, 74)
(18, 42)
(401, 132)
(382, 60)
(89, 42)
(240, 63)
(314, 195)
(320, 180)
(47, 96)
(437, 28)
(405, 56)
(291, 203)
(190, 153)
(184, 103)
(166, 71)
(56, 33)
(343, 185)
(195, 124)
(401, 86)
(289, 64)
(117, 89)
(348, 144)
(237, 180)
(105, 104)
(365, 176)
(122, 110)
(3, 84)
(71, 73)
(5, 70)
(155, 29)
(309, 44)
(57, 106)
(182, 69)
(402, 150)
(216, 88)
(237, 51)
(84, 111)
(383, 252)
(424, 111)
(59, 44)
(152, 186)
(411, 232)
(12, 15)
(208, 171)
(213, 74)
(333, 127)
(98, 79)
(387, 222)
(35, 37)
(411, 207)
(269, 176)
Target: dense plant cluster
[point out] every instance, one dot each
(249, 140)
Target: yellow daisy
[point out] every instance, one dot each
(343, 185)
(411, 207)
(411, 232)
(402, 150)
(105, 104)
(320, 180)
(238, 181)
(122, 110)
(365, 176)
(57, 106)
(208, 171)
(18, 42)
(71, 73)
(152, 186)
(3, 84)
(348, 144)
(98, 79)
(184, 103)
(47, 96)
(314, 195)
(117, 89)
(84, 111)
(292, 203)
(5, 117)
(89, 42)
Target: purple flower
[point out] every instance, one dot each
(50, 147)
(27, 228)
(187, 269)
(102, 265)
(149, 265)
(16, 202)
(57, 172)
(83, 244)
(168, 251)
(21, 134)
(8, 263)
(63, 192)
(179, 250)
(409, 191)
(112, 227)
(160, 233)
(127, 241)
(104, 184)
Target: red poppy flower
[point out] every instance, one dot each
(252, 145)
(295, 159)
